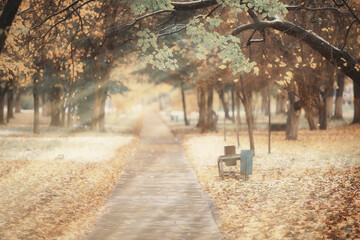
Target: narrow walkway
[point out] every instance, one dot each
(157, 196)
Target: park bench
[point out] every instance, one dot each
(230, 159)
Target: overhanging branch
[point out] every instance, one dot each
(194, 5)
(340, 58)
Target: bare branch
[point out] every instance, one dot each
(347, 33)
(194, 5)
(351, 11)
(65, 18)
(63, 10)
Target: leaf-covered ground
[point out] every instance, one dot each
(53, 188)
(79, 149)
(304, 189)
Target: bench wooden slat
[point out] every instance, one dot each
(232, 157)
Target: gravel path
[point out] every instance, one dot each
(157, 196)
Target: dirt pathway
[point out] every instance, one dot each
(157, 196)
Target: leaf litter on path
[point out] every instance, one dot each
(304, 189)
(44, 196)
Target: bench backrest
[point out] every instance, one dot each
(229, 150)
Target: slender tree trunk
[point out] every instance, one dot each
(322, 116)
(17, 102)
(225, 106)
(36, 94)
(55, 106)
(323, 111)
(102, 117)
(2, 106)
(249, 119)
(356, 118)
(247, 99)
(202, 110)
(186, 122)
(209, 108)
(2, 102)
(10, 104)
(238, 118)
(233, 103)
(96, 110)
(62, 113)
(292, 123)
(70, 115)
(309, 117)
(102, 109)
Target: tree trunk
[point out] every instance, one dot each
(225, 106)
(202, 110)
(209, 108)
(36, 94)
(17, 102)
(264, 102)
(238, 118)
(339, 96)
(96, 110)
(186, 122)
(2, 102)
(102, 110)
(323, 111)
(62, 113)
(309, 117)
(249, 119)
(70, 115)
(55, 106)
(292, 123)
(102, 117)
(2, 105)
(323, 116)
(356, 118)
(233, 103)
(10, 104)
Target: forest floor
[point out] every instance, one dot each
(304, 189)
(53, 186)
